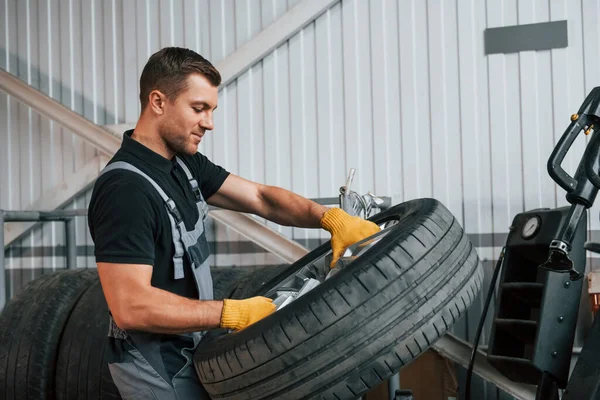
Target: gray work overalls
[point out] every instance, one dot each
(135, 360)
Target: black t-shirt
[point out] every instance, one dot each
(127, 218)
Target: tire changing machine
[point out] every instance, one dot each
(540, 287)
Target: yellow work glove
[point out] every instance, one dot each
(238, 314)
(345, 230)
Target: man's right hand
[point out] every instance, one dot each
(238, 314)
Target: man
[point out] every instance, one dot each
(146, 217)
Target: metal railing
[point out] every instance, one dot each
(66, 216)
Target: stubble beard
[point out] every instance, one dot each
(176, 142)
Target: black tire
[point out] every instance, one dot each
(30, 328)
(361, 326)
(81, 369)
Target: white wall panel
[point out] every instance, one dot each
(357, 147)
(386, 98)
(415, 120)
(444, 111)
(303, 133)
(330, 101)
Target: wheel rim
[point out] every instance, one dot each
(318, 271)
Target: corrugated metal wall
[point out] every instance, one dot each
(400, 90)
(88, 55)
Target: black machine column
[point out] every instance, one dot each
(540, 287)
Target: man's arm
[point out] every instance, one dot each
(287, 208)
(273, 203)
(136, 305)
(123, 222)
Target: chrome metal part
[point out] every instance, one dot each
(560, 245)
(310, 276)
(355, 204)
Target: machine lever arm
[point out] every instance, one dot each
(560, 176)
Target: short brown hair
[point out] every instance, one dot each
(167, 70)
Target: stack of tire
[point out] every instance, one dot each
(338, 341)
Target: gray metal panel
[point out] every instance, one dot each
(540, 36)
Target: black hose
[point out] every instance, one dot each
(481, 322)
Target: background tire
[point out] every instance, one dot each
(81, 370)
(359, 327)
(30, 328)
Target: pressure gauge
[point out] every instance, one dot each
(530, 227)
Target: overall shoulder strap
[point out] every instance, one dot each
(191, 179)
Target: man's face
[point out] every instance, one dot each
(189, 116)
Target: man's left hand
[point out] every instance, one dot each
(345, 230)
